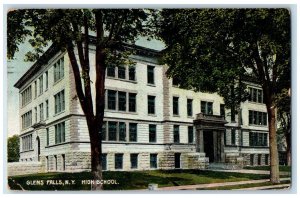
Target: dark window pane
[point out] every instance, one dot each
(111, 99)
(132, 102)
(176, 134)
(153, 160)
(132, 132)
(112, 131)
(104, 161)
(210, 108)
(177, 160)
(175, 106)
(190, 134)
(134, 160)
(118, 161)
(103, 131)
(122, 131)
(222, 109)
(232, 136)
(151, 104)
(111, 71)
(122, 101)
(189, 107)
(121, 72)
(150, 74)
(132, 73)
(152, 133)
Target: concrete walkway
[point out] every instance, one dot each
(197, 186)
(260, 172)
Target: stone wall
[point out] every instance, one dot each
(23, 168)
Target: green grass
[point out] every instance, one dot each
(281, 168)
(233, 187)
(131, 180)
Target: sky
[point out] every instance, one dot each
(17, 67)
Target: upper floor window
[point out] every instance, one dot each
(122, 100)
(35, 89)
(111, 71)
(35, 114)
(117, 131)
(222, 110)
(151, 104)
(41, 106)
(121, 72)
(150, 74)
(175, 105)
(26, 120)
(26, 96)
(232, 136)
(132, 102)
(132, 132)
(41, 79)
(152, 133)
(60, 133)
(47, 109)
(175, 81)
(190, 134)
(59, 102)
(255, 95)
(189, 107)
(258, 139)
(27, 142)
(59, 69)
(176, 134)
(122, 103)
(46, 80)
(47, 137)
(132, 73)
(111, 103)
(257, 118)
(207, 107)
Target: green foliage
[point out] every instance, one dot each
(13, 148)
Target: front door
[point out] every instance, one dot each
(208, 140)
(213, 145)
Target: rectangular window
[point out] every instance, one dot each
(189, 107)
(259, 156)
(232, 136)
(122, 101)
(153, 160)
(104, 161)
(258, 139)
(63, 157)
(152, 133)
(150, 74)
(59, 99)
(60, 133)
(59, 70)
(47, 136)
(222, 110)
(151, 104)
(257, 118)
(118, 161)
(27, 142)
(111, 71)
(26, 96)
(134, 161)
(132, 73)
(122, 131)
(35, 89)
(112, 131)
(251, 159)
(35, 114)
(46, 80)
(207, 107)
(190, 134)
(121, 72)
(26, 120)
(41, 84)
(177, 160)
(47, 109)
(255, 95)
(111, 99)
(176, 135)
(132, 132)
(132, 102)
(266, 159)
(41, 106)
(103, 131)
(175, 105)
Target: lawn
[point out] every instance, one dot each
(127, 180)
(281, 168)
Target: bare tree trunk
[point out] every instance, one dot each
(274, 173)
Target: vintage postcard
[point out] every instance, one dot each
(149, 99)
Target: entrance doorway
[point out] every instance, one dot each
(213, 147)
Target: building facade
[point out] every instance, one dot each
(150, 123)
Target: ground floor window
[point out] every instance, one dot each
(177, 160)
(251, 159)
(153, 160)
(266, 159)
(134, 160)
(63, 161)
(104, 161)
(118, 161)
(259, 156)
(55, 161)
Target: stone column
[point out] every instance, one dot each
(201, 141)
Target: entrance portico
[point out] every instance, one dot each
(210, 136)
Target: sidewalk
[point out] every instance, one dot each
(263, 172)
(194, 187)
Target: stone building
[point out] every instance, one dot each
(150, 123)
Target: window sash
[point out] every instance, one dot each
(152, 133)
(150, 74)
(189, 107)
(121, 72)
(176, 134)
(104, 161)
(151, 104)
(132, 73)
(118, 161)
(111, 97)
(134, 161)
(132, 102)
(122, 131)
(153, 160)
(112, 131)
(190, 134)
(122, 101)
(111, 71)
(175, 106)
(132, 132)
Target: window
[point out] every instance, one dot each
(175, 106)
(35, 89)
(41, 106)
(55, 159)
(26, 96)
(103, 131)
(26, 120)
(63, 158)
(104, 161)
(176, 134)
(121, 72)
(134, 160)
(132, 132)
(207, 107)
(257, 118)
(153, 160)
(177, 160)
(251, 159)
(232, 136)
(35, 114)
(47, 136)
(151, 104)
(112, 131)
(222, 110)
(132, 73)
(118, 161)
(59, 102)
(111, 71)
(189, 107)
(132, 102)
(152, 133)
(111, 99)
(47, 109)
(122, 101)
(255, 95)
(41, 84)
(150, 74)
(122, 131)
(258, 139)
(259, 156)
(46, 80)
(60, 133)
(190, 134)
(27, 142)
(175, 81)
(266, 159)
(59, 69)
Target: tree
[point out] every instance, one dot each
(13, 148)
(70, 30)
(216, 50)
